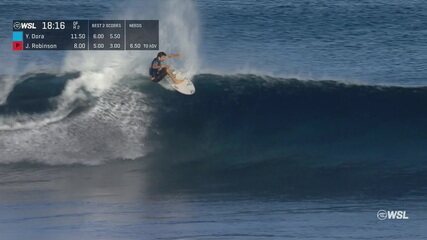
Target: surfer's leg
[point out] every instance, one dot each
(162, 74)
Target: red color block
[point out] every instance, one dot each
(18, 46)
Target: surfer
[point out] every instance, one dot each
(159, 70)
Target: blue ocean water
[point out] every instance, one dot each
(309, 118)
(364, 41)
(375, 41)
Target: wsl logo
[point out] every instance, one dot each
(24, 25)
(392, 215)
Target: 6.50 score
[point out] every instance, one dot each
(143, 46)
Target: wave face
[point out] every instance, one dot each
(284, 134)
(239, 132)
(35, 93)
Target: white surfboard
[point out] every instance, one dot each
(186, 87)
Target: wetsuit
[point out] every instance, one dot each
(157, 74)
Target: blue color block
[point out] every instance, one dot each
(18, 36)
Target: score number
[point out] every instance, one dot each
(143, 46)
(79, 45)
(78, 36)
(135, 45)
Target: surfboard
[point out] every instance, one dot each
(186, 87)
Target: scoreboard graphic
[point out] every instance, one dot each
(85, 35)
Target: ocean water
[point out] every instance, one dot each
(309, 118)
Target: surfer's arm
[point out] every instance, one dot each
(157, 66)
(173, 55)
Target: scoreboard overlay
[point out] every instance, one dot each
(85, 35)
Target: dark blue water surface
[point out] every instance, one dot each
(377, 41)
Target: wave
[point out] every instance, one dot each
(287, 116)
(239, 131)
(272, 134)
(40, 123)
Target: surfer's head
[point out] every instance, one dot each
(162, 56)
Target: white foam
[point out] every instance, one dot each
(113, 129)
